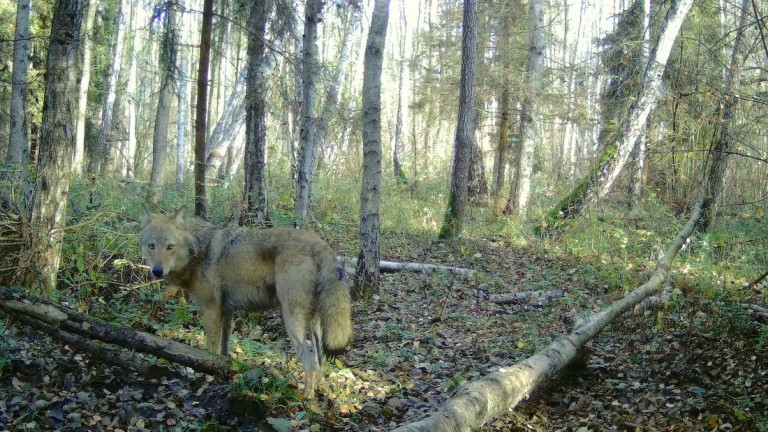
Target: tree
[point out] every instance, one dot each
(18, 145)
(725, 114)
(520, 190)
(167, 61)
(462, 147)
(500, 160)
(307, 139)
(48, 202)
(101, 154)
(202, 102)
(255, 191)
(600, 181)
(85, 81)
(367, 278)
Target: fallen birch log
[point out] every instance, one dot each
(494, 394)
(392, 266)
(534, 297)
(62, 322)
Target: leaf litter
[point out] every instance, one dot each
(417, 343)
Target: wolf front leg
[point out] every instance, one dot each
(217, 323)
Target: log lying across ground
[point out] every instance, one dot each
(77, 329)
(392, 266)
(494, 394)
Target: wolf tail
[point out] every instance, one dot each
(334, 307)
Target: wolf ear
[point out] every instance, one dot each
(181, 215)
(145, 216)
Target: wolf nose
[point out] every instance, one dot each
(157, 272)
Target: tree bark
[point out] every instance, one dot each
(202, 105)
(600, 181)
(101, 153)
(308, 135)
(501, 391)
(160, 142)
(57, 146)
(18, 143)
(462, 148)
(367, 277)
(255, 190)
(520, 192)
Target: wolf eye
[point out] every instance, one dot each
(151, 245)
(170, 247)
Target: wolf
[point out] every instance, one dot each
(229, 269)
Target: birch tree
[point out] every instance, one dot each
(167, 61)
(307, 139)
(520, 190)
(85, 80)
(367, 277)
(101, 153)
(462, 147)
(255, 190)
(600, 181)
(50, 186)
(18, 144)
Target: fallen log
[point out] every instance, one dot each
(64, 323)
(393, 266)
(533, 297)
(494, 394)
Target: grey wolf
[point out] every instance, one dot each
(229, 269)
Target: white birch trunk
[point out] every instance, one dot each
(650, 92)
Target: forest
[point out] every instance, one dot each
(543, 215)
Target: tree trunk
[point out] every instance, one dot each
(18, 143)
(101, 153)
(202, 104)
(599, 182)
(501, 156)
(367, 277)
(520, 193)
(167, 61)
(332, 92)
(640, 152)
(501, 391)
(399, 136)
(255, 190)
(57, 146)
(70, 326)
(181, 119)
(85, 80)
(457, 199)
(308, 136)
(132, 104)
(227, 129)
(726, 111)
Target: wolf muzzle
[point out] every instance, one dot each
(157, 272)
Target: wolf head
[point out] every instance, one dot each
(164, 241)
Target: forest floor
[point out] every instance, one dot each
(696, 365)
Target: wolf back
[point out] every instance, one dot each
(229, 269)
